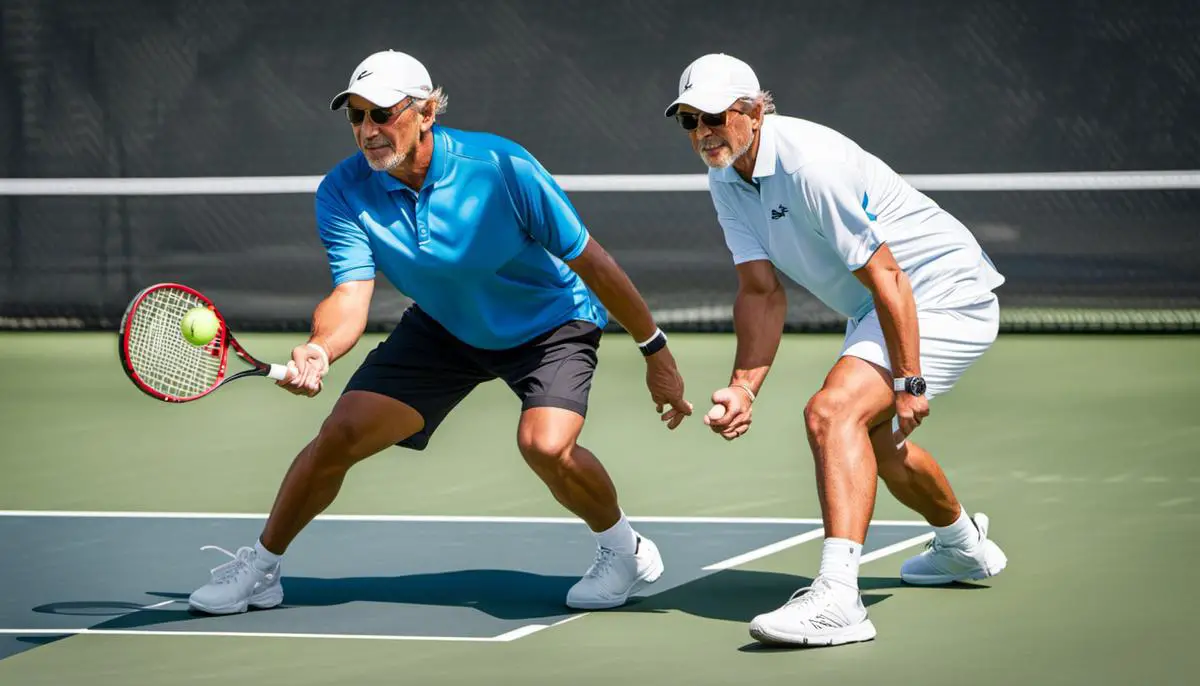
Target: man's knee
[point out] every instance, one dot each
(340, 440)
(546, 443)
(828, 408)
(544, 447)
(359, 427)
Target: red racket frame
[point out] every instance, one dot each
(224, 340)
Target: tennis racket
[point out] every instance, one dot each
(163, 364)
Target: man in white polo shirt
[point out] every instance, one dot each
(917, 291)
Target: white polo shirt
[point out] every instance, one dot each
(823, 206)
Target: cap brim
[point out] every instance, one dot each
(705, 101)
(380, 97)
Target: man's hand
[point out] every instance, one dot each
(730, 414)
(308, 367)
(911, 409)
(666, 387)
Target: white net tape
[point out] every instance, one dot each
(160, 355)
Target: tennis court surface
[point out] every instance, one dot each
(449, 566)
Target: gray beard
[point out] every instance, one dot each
(733, 157)
(389, 163)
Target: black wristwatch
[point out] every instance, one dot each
(913, 385)
(657, 342)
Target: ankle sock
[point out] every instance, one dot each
(961, 534)
(619, 538)
(264, 559)
(839, 562)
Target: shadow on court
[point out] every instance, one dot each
(731, 595)
(465, 580)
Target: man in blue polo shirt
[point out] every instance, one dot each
(506, 282)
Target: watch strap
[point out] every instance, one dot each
(655, 343)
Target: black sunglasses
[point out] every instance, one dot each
(690, 120)
(379, 115)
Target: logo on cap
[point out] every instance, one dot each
(363, 74)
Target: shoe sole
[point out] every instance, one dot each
(943, 579)
(864, 631)
(262, 601)
(652, 576)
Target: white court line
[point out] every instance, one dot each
(245, 634)
(894, 548)
(477, 519)
(162, 604)
(515, 634)
(766, 550)
(507, 637)
(522, 632)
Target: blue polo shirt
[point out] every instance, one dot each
(481, 247)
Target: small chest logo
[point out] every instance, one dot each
(779, 213)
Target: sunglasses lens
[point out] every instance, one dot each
(713, 120)
(355, 116)
(381, 116)
(688, 121)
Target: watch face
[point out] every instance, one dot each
(916, 386)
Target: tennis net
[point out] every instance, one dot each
(1081, 252)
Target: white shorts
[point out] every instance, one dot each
(951, 340)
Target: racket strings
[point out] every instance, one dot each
(160, 355)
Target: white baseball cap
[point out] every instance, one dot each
(385, 78)
(714, 82)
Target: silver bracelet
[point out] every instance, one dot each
(746, 388)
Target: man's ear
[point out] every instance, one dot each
(428, 115)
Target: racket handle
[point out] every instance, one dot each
(279, 372)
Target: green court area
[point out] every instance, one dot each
(1081, 449)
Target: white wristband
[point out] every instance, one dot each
(656, 334)
(324, 355)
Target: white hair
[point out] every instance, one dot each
(765, 97)
(439, 95)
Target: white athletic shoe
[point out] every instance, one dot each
(817, 615)
(941, 564)
(238, 585)
(613, 577)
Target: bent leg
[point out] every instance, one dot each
(546, 437)
(855, 394)
(361, 424)
(625, 561)
(914, 477)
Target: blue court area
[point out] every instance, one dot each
(427, 579)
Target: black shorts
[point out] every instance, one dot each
(425, 366)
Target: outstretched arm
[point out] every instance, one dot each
(338, 322)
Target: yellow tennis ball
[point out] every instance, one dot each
(199, 325)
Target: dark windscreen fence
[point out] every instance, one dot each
(133, 89)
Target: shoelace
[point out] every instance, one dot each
(604, 560)
(229, 570)
(808, 594)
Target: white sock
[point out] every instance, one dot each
(264, 559)
(961, 534)
(619, 538)
(839, 561)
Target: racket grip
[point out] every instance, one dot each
(279, 372)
